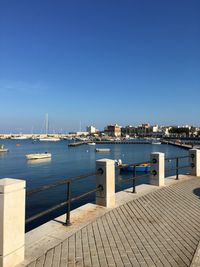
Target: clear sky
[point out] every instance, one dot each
(98, 62)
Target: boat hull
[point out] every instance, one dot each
(138, 168)
(102, 150)
(91, 144)
(38, 156)
(49, 139)
(3, 150)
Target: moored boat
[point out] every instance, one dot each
(3, 148)
(91, 144)
(130, 168)
(52, 139)
(38, 156)
(138, 168)
(102, 150)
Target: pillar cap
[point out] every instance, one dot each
(157, 153)
(8, 185)
(108, 161)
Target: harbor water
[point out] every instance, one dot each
(69, 162)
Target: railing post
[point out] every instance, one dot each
(194, 160)
(12, 221)
(68, 204)
(177, 170)
(134, 175)
(157, 169)
(106, 197)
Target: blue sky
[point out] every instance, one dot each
(98, 62)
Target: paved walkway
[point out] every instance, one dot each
(161, 228)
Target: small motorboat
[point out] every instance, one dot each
(38, 156)
(130, 168)
(102, 150)
(138, 168)
(3, 148)
(92, 144)
(52, 139)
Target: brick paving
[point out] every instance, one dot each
(161, 228)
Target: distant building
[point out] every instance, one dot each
(75, 134)
(144, 129)
(155, 129)
(129, 131)
(91, 129)
(113, 130)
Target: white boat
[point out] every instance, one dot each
(91, 144)
(38, 156)
(21, 137)
(3, 149)
(156, 143)
(102, 150)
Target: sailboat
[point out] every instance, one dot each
(48, 138)
(3, 148)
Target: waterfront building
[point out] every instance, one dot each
(129, 131)
(144, 129)
(113, 130)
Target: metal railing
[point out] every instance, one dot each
(134, 173)
(70, 199)
(99, 172)
(151, 172)
(177, 165)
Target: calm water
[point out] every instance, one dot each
(67, 162)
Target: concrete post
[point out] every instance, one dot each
(106, 197)
(12, 221)
(194, 161)
(157, 169)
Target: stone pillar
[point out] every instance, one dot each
(157, 169)
(194, 160)
(12, 221)
(106, 197)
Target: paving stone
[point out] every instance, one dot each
(161, 228)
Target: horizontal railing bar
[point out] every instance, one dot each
(39, 215)
(45, 212)
(181, 157)
(174, 169)
(60, 182)
(87, 193)
(135, 177)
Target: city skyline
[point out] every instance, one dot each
(124, 62)
(84, 128)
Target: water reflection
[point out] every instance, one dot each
(38, 161)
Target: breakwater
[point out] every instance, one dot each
(186, 146)
(111, 142)
(173, 143)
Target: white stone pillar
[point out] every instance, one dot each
(106, 197)
(12, 221)
(157, 169)
(194, 160)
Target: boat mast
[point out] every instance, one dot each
(47, 123)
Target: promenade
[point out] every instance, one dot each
(159, 228)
